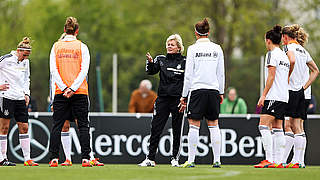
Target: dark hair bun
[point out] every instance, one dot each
(277, 28)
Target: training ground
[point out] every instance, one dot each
(163, 171)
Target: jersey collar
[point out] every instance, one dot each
(203, 40)
(293, 42)
(69, 38)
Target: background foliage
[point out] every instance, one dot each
(131, 28)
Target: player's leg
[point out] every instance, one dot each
(6, 113)
(289, 139)
(177, 128)
(193, 140)
(66, 143)
(80, 110)
(215, 137)
(278, 142)
(304, 145)
(298, 140)
(21, 116)
(212, 114)
(196, 108)
(60, 107)
(4, 127)
(267, 118)
(159, 120)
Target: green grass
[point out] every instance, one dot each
(133, 172)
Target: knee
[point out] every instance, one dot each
(287, 127)
(23, 129)
(4, 130)
(65, 128)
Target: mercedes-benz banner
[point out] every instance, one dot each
(124, 138)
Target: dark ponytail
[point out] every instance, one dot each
(202, 27)
(274, 34)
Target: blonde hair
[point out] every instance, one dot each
(71, 25)
(291, 30)
(302, 37)
(25, 44)
(178, 39)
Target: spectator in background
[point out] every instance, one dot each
(233, 104)
(142, 99)
(32, 106)
(312, 105)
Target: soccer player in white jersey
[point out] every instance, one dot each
(274, 98)
(293, 36)
(15, 73)
(204, 88)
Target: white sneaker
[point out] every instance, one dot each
(175, 163)
(147, 162)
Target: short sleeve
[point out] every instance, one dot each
(309, 58)
(271, 60)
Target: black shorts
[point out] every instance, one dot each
(14, 108)
(296, 105)
(204, 103)
(274, 108)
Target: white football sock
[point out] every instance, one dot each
(289, 138)
(193, 139)
(1, 157)
(279, 143)
(215, 137)
(304, 145)
(273, 145)
(297, 148)
(66, 144)
(266, 141)
(25, 145)
(3, 144)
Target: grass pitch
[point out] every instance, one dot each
(133, 172)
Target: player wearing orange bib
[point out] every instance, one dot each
(69, 65)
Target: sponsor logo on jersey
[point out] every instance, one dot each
(6, 112)
(179, 66)
(284, 64)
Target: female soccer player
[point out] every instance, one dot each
(171, 68)
(296, 110)
(274, 98)
(204, 86)
(15, 74)
(69, 65)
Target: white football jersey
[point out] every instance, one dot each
(279, 90)
(16, 74)
(302, 57)
(204, 67)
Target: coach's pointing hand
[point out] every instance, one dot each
(149, 57)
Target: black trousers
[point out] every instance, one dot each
(163, 107)
(78, 105)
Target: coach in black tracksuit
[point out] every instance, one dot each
(171, 68)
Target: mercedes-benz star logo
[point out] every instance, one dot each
(42, 147)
